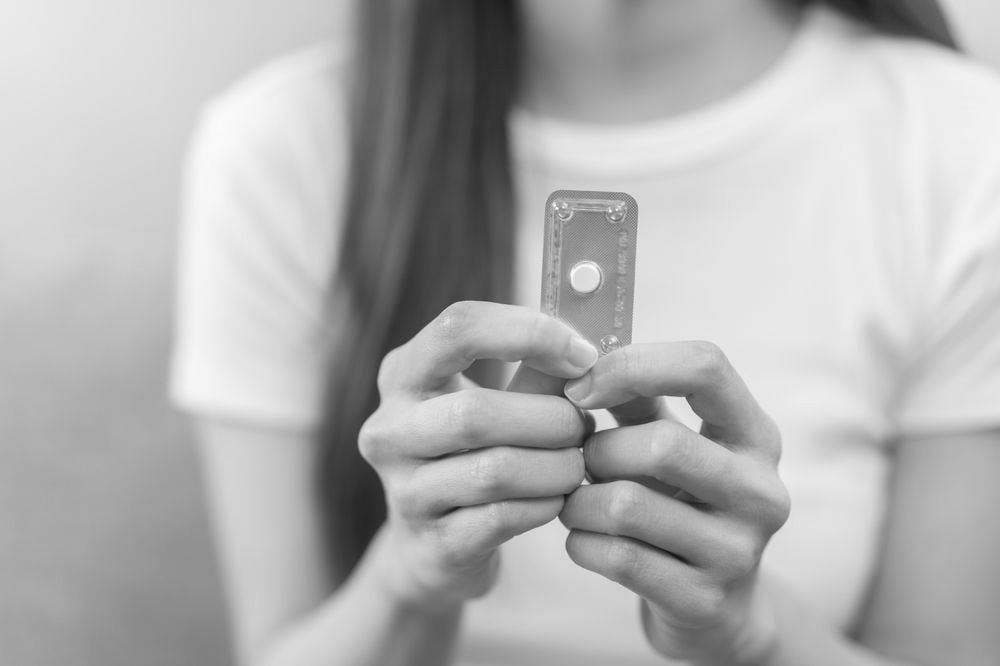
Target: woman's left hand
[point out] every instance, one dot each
(680, 517)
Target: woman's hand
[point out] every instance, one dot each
(466, 468)
(679, 517)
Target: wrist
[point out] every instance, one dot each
(744, 635)
(753, 638)
(407, 579)
(757, 640)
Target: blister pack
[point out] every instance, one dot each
(588, 267)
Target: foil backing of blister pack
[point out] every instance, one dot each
(588, 267)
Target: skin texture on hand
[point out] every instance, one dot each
(680, 517)
(467, 468)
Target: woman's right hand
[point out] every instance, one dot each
(466, 468)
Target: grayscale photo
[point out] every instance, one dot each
(500, 333)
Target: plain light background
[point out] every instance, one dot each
(105, 557)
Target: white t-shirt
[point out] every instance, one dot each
(835, 228)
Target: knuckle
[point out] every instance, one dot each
(622, 560)
(668, 446)
(779, 507)
(739, 556)
(625, 503)
(502, 520)
(388, 369)
(711, 361)
(454, 320)
(542, 338)
(496, 523)
(492, 467)
(766, 501)
(538, 328)
(466, 412)
(372, 438)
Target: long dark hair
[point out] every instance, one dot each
(428, 217)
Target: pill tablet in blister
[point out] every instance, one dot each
(588, 268)
(585, 277)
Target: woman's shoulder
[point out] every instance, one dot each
(296, 99)
(926, 81)
(264, 176)
(943, 79)
(276, 139)
(936, 108)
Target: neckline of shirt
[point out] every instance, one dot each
(565, 146)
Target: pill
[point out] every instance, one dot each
(585, 277)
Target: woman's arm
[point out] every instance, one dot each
(283, 608)
(935, 600)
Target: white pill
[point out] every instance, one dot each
(585, 277)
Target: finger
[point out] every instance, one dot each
(473, 330)
(698, 371)
(476, 529)
(629, 509)
(492, 475)
(481, 418)
(654, 575)
(529, 380)
(671, 453)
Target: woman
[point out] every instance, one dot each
(820, 198)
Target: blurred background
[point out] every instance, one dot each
(105, 557)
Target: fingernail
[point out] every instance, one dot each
(578, 389)
(582, 354)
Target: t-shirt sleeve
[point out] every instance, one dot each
(255, 259)
(953, 383)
